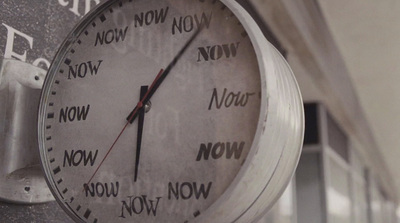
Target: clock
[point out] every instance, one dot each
(169, 111)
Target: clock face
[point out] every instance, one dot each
(149, 111)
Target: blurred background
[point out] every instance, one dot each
(345, 57)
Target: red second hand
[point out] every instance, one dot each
(108, 152)
(139, 106)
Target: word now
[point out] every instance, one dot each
(189, 23)
(101, 189)
(74, 113)
(80, 70)
(217, 52)
(136, 205)
(110, 36)
(75, 158)
(150, 17)
(230, 99)
(188, 190)
(218, 149)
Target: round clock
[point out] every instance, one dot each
(168, 111)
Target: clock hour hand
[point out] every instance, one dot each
(141, 113)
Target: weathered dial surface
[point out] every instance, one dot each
(186, 145)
